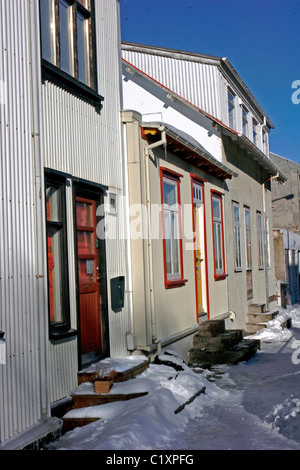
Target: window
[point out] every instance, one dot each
(248, 239)
(237, 236)
(245, 121)
(68, 45)
(56, 254)
(264, 142)
(268, 258)
(260, 241)
(172, 230)
(254, 131)
(231, 112)
(218, 235)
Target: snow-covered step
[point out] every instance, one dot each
(117, 370)
(84, 395)
(257, 322)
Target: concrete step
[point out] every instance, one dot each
(261, 317)
(243, 351)
(219, 342)
(257, 322)
(211, 328)
(257, 308)
(252, 328)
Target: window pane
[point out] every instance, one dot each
(231, 110)
(175, 243)
(48, 30)
(65, 19)
(83, 214)
(54, 238)
(170, 196)
(236, 214)
(53, 201)
(197, 193)
(220, 260)
(85, 242)
(82, 31)
(216, 208)
(167, 227)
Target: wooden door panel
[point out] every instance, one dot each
(88, 270)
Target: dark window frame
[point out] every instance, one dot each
(59, 329)
(70, 82)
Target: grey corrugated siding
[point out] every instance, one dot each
(19, 377)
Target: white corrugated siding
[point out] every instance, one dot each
(196, 82)
(19, 377)
(88, 145)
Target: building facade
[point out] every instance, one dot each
(286, 231)
(63, 300)
(217, 165)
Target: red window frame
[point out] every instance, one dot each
(221, 274)
(175, 178)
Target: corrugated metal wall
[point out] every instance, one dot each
(74, 139)
(84, 144)
(19, 377)
(201, 88)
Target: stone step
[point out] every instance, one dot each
(220, 342)
(261, 317)
(256, 308)
(211, 328)
(242, 351)
(252, 328)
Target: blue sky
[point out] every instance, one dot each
(261, 38)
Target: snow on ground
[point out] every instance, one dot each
(254, 405)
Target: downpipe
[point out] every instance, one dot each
(161, 142)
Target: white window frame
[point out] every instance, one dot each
(245, 126)
(237, 237)
(218, 236)
(254, 131)
(260, 236)
(248, 239)
(231, 108)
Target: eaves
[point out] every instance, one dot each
(245, 144)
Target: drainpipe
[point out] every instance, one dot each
(265, 245)
(127, 238)
(162, 142)
(265, 238)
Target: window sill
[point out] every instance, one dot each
(238, 270)
(61, 331)
(173, 284)
(59, 77)
(220, 277)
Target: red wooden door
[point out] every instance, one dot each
(88, 269)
